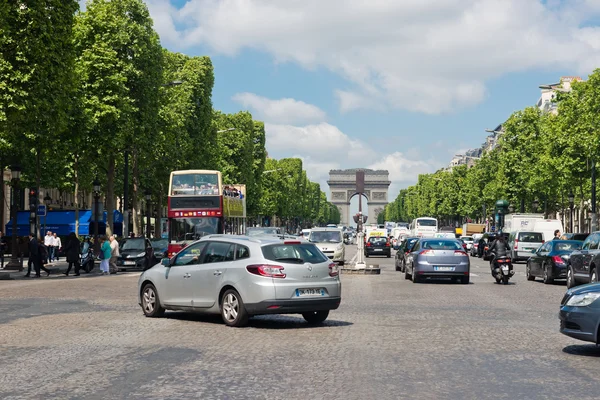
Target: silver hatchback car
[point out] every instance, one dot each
(437, 257)
(241, 276)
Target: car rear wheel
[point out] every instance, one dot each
(570, 280)
(233, 310)
(315, 317)
(407, 276)
(415, 277)
(151, 302)
(465, 280)
(547, 275)
(593, 276)
(528, 272)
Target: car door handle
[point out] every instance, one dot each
(187, 276)
(217, 273)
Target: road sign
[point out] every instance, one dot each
(41, 210)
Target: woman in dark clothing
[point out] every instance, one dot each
(72, 253)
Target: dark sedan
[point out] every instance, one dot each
(160, 246)
(136, 253)
(403, 251)
(378, 246)
(550, 261)
(580, 313)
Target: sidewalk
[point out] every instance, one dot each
(57, 270)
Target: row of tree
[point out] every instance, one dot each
(93, 93)
(540, 159)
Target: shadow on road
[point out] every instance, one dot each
(260, 322)
(585, 350)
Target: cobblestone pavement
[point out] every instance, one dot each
(69, 338)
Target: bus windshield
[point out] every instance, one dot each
(183, 229)
(426, 222)
(195, 184)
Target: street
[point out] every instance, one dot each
(87, 338)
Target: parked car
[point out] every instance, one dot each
(378, 246)
(240, 276)
(438, 257)
(584, 263)
(524, 244)
(580, 313)
(550, 261)
(468, 241)
(136, 253)
(403, 251)
(160, 247)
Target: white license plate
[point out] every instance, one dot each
(529, 249)
(505, 268)
(443, 268)
(128, 262)
(378, 249)
(310, 292)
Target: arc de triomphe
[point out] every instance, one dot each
(342, 185)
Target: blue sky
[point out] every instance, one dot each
(396, 85)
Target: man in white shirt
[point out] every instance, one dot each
(49, 243)
(57, 246)
(114, 254)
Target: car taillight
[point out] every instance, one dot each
(423, 252)
(558, 260)
(387, 244)
(270, 271)
(459, 253)
(543, 241)
(333, 269)
(516, 243)
(368, 244)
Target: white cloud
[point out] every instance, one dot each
(430, 56)
(281, 111)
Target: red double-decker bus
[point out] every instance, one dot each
(200, 205)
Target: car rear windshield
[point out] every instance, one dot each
(441, 245)
(467, 239)
(378, 240)
(294, 253)
(566, 246)
(531, 237)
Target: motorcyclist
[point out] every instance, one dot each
(500, 249)
(481, 246)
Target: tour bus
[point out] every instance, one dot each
(199, 204)
(424, 227)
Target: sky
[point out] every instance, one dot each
(382, 84)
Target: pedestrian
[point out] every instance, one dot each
(114, 254)
(2, 249)
(72, 253)
(556, 235)
(49, 243)
(34, 258)
(104, 256)
(148, 256)
(57, 246)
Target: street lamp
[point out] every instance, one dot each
(535, 205)
(96, 185)
(47, 201)
(172, 83)
(511, 209)
(571, 204)
(15, 174)
(227, 130)
(148, 199)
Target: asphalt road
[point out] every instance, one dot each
(86, 338)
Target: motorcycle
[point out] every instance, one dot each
(502, 269)
(86, 257)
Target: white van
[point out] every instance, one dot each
(523, 244)
(547, 227)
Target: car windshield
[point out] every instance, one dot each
(324, 236)
(567, 246)
(294, 253)
(262, 231)
(530, 237)
(441, 245)
(134, 244)
(160, 244)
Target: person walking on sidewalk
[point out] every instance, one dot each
(114, 254)
(72, 253)
(49, 243)
(105, 256)
(57, 246)
(35, 258)
(2, 249)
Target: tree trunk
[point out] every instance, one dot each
(110, 195)
(134, 196)
(2, 194)
(76, 194)
(38, 179)
(158, 212)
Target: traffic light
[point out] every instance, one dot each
(33, 198)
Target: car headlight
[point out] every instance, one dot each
(583, 300)
(141, 255)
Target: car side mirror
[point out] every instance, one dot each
(166, 262)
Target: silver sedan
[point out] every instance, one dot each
(438, 257)
(241, 276)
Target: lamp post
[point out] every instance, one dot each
(47, 201)
(14, 264)
(535, 205)
(571, 204)
(511, 209)
(148, 203)
(96, 185)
